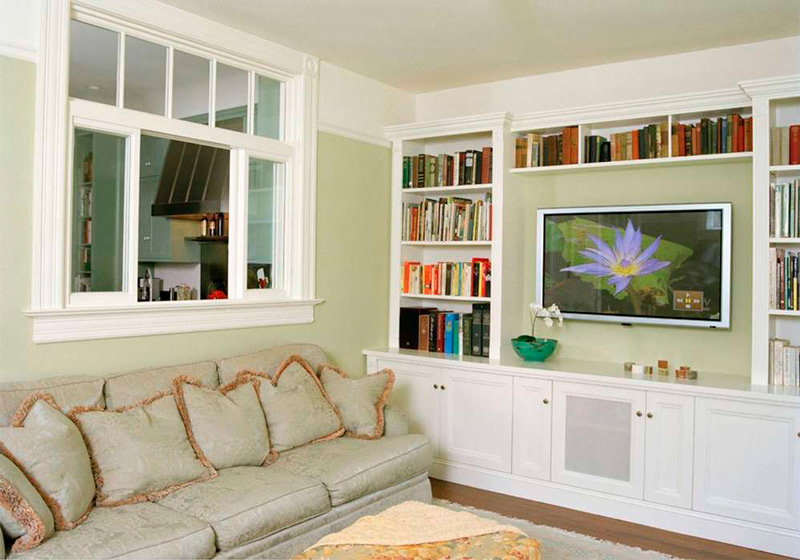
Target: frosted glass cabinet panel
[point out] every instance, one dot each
(598, 438)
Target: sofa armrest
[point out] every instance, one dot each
(395, 422)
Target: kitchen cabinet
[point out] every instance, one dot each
(155, 233)
(669, 449)
(532, 427)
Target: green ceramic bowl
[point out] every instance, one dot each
(533, 349)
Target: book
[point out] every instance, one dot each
(449, 324)
(466, 339)
(410, 326)
(794, 144)
(477, 326)
(424, 331)
(485, 327)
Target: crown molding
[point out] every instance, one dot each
(353, 134)
(783, 86)
(13, 49)
(445, 127)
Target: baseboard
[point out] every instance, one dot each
(696, 524)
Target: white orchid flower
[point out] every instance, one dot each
(547, 314)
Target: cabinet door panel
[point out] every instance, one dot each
(598, 438)
(532, 427)
(747, 460)
(669, 449)
(476, 418)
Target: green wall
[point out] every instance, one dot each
(352, 261)
(724, 351)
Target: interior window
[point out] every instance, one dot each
(265, 182)
(231, 98)
(190, 87)
(145, 76)
(267, 108)
(93, 63)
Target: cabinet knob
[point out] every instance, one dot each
(147, 238)
(442, 387)
(435, 386)
(639, 413)
(649, 414)
(546, 401)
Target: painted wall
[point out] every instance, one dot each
(352, 211)
(724, 351)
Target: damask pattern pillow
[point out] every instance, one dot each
(48, 448)
(140, 452)
(360, 400)
(23, 514)
(297, 408)
(227, 424)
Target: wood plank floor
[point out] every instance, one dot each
(596, 526)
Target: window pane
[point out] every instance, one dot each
(231, 100)
(190, 87)
(98, 212)
(145, 76)
(263, 228)
(267, 108)
(93, 63)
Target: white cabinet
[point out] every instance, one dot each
(598, 438)
(416, 392)
(747, 461)
(669, 449)
(532, 427)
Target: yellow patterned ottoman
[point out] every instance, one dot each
(415, 530)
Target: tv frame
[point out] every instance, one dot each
(725, 295)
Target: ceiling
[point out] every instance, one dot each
(423, 45)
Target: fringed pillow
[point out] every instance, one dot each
(23, 514)
(226, 424)
(140, 452)
(360, 400)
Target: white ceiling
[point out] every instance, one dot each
(423, 45)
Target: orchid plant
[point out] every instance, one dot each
(547, 314)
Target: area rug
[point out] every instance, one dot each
(557, 544)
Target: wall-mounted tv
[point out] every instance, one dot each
(666, 264)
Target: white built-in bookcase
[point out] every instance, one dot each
(772, 102)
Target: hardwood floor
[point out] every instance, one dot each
(596, 526)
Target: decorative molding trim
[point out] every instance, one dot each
(12, 49)
(353, 134)
(656, 106)
(71, 324)
(775, 88)
(446, 127)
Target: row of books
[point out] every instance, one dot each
(724, 135)
(784, 146)
(448, 219)
(648, 142)
(783, 276)
(784, 363)
(537, 150)
(434, 330)
(86, 231)
(784, 203)
(472, 278)
(469, 167)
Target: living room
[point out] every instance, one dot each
(353, 278)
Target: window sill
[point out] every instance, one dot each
(143, 319)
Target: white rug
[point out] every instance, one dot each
(557, 544)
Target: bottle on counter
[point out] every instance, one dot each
(221, 224)
(204, 226)
(212, 227)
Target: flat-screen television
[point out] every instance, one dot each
(666, 264)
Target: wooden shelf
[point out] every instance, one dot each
(685, 160)
(458, 189)
(208, 239)
(448, 298)
(447, 243)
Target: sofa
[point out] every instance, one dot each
(273, 511)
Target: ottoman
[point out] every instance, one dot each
(418, 530)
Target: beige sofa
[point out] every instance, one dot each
(267, 512)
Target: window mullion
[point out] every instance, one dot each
(237, 225)
(212, 94)
(251, 98)
(121, 71)
(170, 82)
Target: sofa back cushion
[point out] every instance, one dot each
(49, 449)
(132, 387)
(140, 452)
(226, 424)
(297, 408)
(23, 514)
(67, 391)
(268, 361)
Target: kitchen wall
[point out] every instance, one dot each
(352, 261)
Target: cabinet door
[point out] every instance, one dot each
(598, 438)
(747, 461)
(416, 392)
(669, 449)
(532, 425)
(155, 234)
(476, 418)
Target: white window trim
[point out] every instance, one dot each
(54, 317)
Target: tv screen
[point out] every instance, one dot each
(637, 264)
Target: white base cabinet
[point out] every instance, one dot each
(669, 449)
(532, 427)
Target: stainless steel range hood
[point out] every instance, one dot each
(194, 181)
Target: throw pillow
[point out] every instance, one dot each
(140, 452)
(23, 514)
(360, 400)
(227, 424)
(48, 448)
(297, 408)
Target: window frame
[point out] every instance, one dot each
(57, 314)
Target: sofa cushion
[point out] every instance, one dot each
(130, 387)
(67, 391)
(360, 400)
(351, 468)
(140, 452)
(226, 424)
(244, 504)
(49, 449)
(23, 514)
(143, 530)
(269, 360)
(297, 408)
